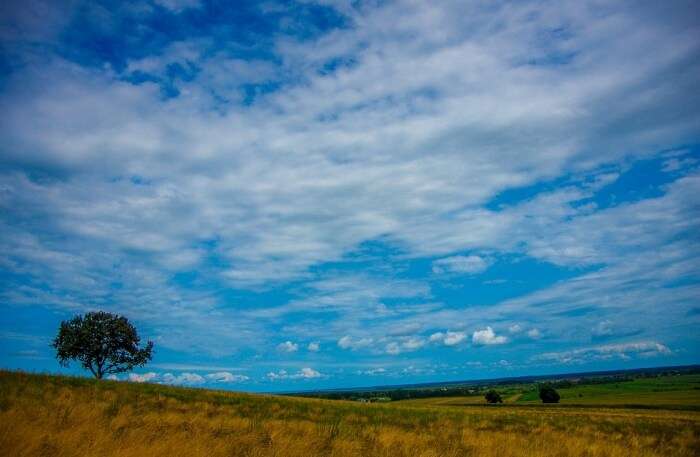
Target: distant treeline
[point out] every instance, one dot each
(504, 385)
(397, 394)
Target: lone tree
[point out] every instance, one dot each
(493, 397)
(103, 343)
(548, 394)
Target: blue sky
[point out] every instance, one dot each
(301, 195)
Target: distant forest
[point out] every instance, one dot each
(506, 385)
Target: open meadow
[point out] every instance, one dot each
(63, 416)
(654, 392)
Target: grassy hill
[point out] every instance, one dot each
(64, 416)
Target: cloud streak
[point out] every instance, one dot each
(621, 351)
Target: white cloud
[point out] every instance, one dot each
(183, 379)
(448, 338)
(622, 351)
(304, 373)
(288, 346)
(454, 338)
(487, 337)
(414, 370)
(642, 249)
(373, 371)
(405, 344)
(347, 342)
(280, 374)
(146, 377)
(515, 328)
(413, 343)
(225, 376)
(313, 346)
(534, 333)
(461, 264)
(437, 336)
(309, 373)
(168, 378)
(393, 348)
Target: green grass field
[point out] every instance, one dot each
(56, 416)
(670, 392)
(656, 391)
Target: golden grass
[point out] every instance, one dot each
(58, 416)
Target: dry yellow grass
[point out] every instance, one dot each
(55, 416)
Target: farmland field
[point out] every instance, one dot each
(663, 392)
(63, 416)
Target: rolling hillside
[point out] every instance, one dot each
(64, 416)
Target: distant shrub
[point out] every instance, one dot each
(493, 397)
(548, 394)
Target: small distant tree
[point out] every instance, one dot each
(493, 397)
(548, 394)
(103, 343)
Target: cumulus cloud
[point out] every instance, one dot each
(373, 371)
(487, 337)
(304, 373)
(279, 374)
(454, 338)
(145, 377)
(472, 264)
(314, 346)
(413, 343)
(347, 342)
(288, 346)
(448, 338)
(308, 373)
(622, 351)
(437, 336)
(404, 344)
(183, 379)
(226, 377)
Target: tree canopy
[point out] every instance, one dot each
(101, 342)
(493, 397)
(548, 394)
